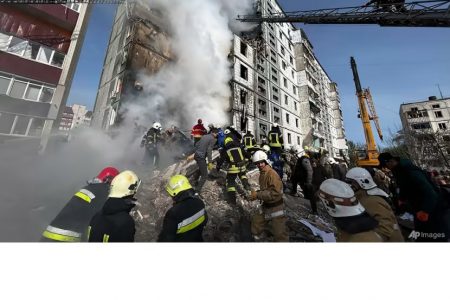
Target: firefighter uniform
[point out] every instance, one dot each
(275, 139)
(150, 141)
(198, 131)
(249, 142)
(72, 222)
(185, 220)
(235, 156)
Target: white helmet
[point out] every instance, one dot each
(339, 199)
(259, 156)
(275, 125)
(331, 161)
(125, 184)
(266, 148)
(157, 125)
(227, 131)
(362, 177)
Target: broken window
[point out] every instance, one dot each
(294, 89)
(243, 48)
(274, 78)
(274, 89)
(424, 125)
(295, 105)
(291, 60)
(287, 118)
(298, 140)
(283, 65)
(261, 80)
(438, 114)
(262, 112)
(276, 119)
(289, 138)
(282, 50)
(276, 110)
(286, 100)
(17, 46)
(244, 72)
(285, 82)
(442, 126)
(261, 90)
(296, 122)
(243, 97)
(436, 106)
(275, 98)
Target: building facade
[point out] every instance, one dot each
(81, 117)
(275, 78)
(66, 120)
(426, 131)
(39, 49)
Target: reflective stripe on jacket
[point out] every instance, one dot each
(274, 139)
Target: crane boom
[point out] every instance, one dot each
(371, 158)
(413, 14)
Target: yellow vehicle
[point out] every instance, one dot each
(369, 156)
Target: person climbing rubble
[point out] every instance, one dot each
(150, 142)
(271, 195)
(198, 131)
(353, 223)
(114, 222)
(73, 220)
(235, 157)
(186, 219)
(303, 175)
(374, 201)
(203, 150)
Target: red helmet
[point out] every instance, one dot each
(107, 174)
(199, 121)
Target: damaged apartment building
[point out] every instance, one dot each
(276, 78)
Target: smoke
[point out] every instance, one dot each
(194, 85)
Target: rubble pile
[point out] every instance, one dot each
(228, 222)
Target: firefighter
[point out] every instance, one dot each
(114, 223)
(375, 202)
(275, 139)
(73, 220)
(249, 142)
(151, 142)
(185, 220)
(234, 154)
(232, 132)
(203, 150)
(198, 131)
(303, 175)
(271, 195)
(354, 224)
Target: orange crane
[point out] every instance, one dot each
(366, 113)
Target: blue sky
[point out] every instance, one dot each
(398, 64)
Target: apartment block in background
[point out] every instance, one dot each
(39, 50)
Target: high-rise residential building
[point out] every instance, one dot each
(66, 120)
(39, 49)
(276, 78)
(426, 131)
(79, 115)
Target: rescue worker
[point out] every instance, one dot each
(271, 195)
(249, 142)
(185, 220)
(275, 139)
(234, 154)
(220, 138)
(198, 131)
(423, 197)
(303, 175)
(373, 199)
(114, 223)
(71, 223)
(352, 222)
(151, 142)
(203, 150)
(231, 131)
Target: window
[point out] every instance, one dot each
(17, 46)
(292, 74)
(274, 71)
(294, 89)
(32, 50)
(436, 106)
(290, 46)
(261, 68)
(21, 125)
(58, 59)
(287, 118)
(421, 125)
(296, 122)
(262, 112)
(18, 89)
(243, 97)
(4, 41)
(438, 114)
(276, 119)
(414, 109)
(282, 50)
(274, 89)
(243, 48)
(261, 80)
(291, 60)
(46, 95)
(285, 82)
(6, 122)
(275, 98)
(298, 140)
(442, 126)
(286, 101)
(244, 72)
(289, 138)
(4, 84)
(36, 127)
(276, 110)
(281, 35)
(275, 78)
(45, 55)
(261, 102)
(32, 92)
(295, 105)
(283, 65)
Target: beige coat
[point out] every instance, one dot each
(380, 210)
(363, 237)
(271, 187)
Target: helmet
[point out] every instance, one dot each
(361, 177)
(177, 184)
(107, 174)
(259, 156)
(227, 131)
(125, 184)
(339, 199)
(232, 126)
(199, 121)
(266, 148)
(157, 125)
(211, 125)
(331, 161)
(227, 140)
(275, 125)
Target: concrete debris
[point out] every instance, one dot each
(228, 222)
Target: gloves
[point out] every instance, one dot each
(253, 195)
(210, 166)
(422, 216)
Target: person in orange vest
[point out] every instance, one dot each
(198, 131)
